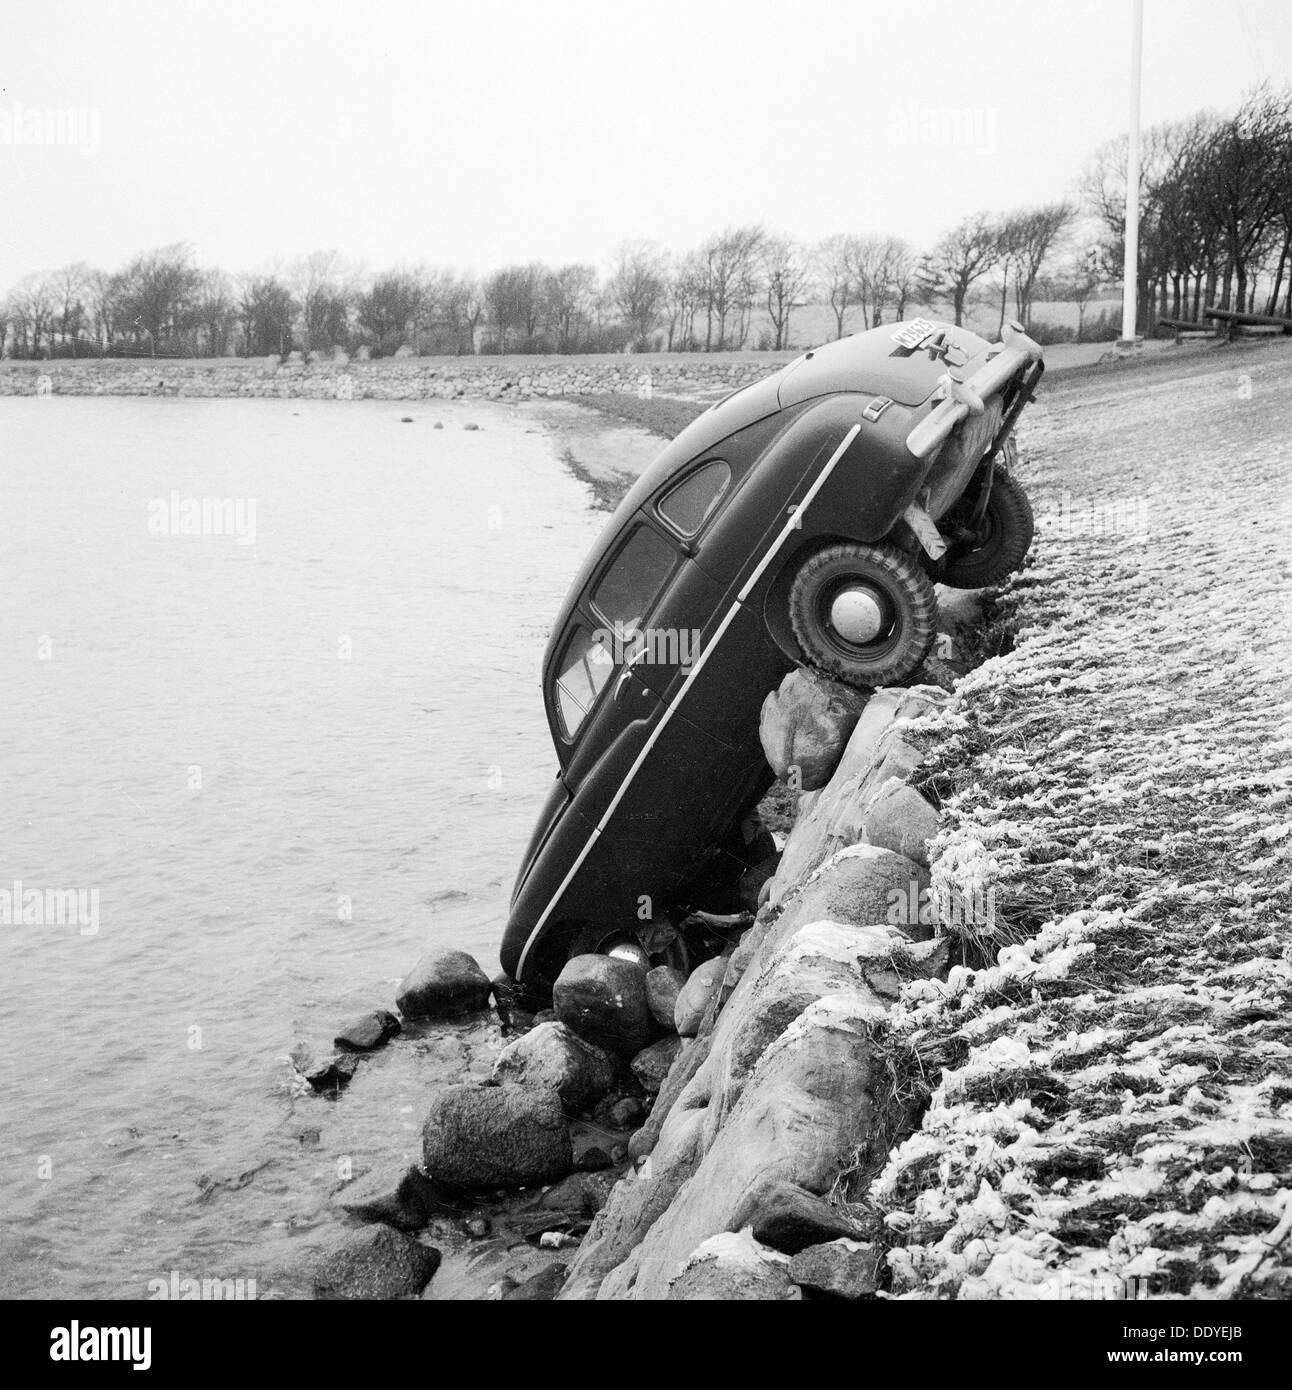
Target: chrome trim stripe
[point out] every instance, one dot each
(793, 524)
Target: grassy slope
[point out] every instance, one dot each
(1113, 1097)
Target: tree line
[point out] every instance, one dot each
(1216, 227)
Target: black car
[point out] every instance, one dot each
(802, 520)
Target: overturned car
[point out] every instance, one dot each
(803, 520)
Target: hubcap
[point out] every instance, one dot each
(857, 615)
(631, 952)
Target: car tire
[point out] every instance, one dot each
(863, 613)
(1003, 543)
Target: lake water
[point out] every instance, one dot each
(276, 766)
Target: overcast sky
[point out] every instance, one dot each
(477, 133)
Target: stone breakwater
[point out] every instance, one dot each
(393, 379)
(663, 1135)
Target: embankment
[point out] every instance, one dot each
(393, 378)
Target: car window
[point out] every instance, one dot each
(582, 672)
(628, 589)
(690, 504)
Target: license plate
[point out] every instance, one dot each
(912, 334)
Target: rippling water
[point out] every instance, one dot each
(285, 766)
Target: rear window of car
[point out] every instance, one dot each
(689, 504)
(582, 672)
(628, 589)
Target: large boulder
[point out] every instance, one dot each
(507, 1135)
(805, 725)
(663, 985)
(443, 984)
(554, 1056)
(838, 1269)
(732, 1266)
(901, 820)
(376, 1263)
(878, 752)
(869, 886)
(693, 1002)
(789, 1218)
(652, 1064)
(604, 999)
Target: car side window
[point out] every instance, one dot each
(689, 504)
(628, 589)
(582, 672)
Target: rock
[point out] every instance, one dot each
(593, 1160)
(470, 427)
(376, 1263)
(663, 985)
(901, 820)
(651, 1065)
(478, 1227)
(868, 886)
(626, 1113)
(693, 1001)
(402, 1196)
(604, 999)
(368, 1031)
(583, 1194)
(481, 1137)
(554, 1056)
(805, 725)
(540, 1287)
(443, 984)
(335, 1073)
(733, 1266)
(546, 1016)
(838, 1269)
(812, 1098)
(405, 419)
(832, 819)
(438, 425)
(790, 1218)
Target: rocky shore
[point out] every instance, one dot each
(660, 1135)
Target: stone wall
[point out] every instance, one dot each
(392, 379)
(784, 1088)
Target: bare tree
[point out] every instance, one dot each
(637, 285)
(567, 293)
(835, 259)
(962, 257)
(729, 261)
(786, 276)
(684, 294)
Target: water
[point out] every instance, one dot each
(286, 767)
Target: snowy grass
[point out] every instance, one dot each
(1102, 1090)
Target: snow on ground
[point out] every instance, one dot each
(1110, 1091)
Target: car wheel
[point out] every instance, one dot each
(999, 545)
(863, 613)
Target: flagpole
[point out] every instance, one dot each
(1130, 269)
